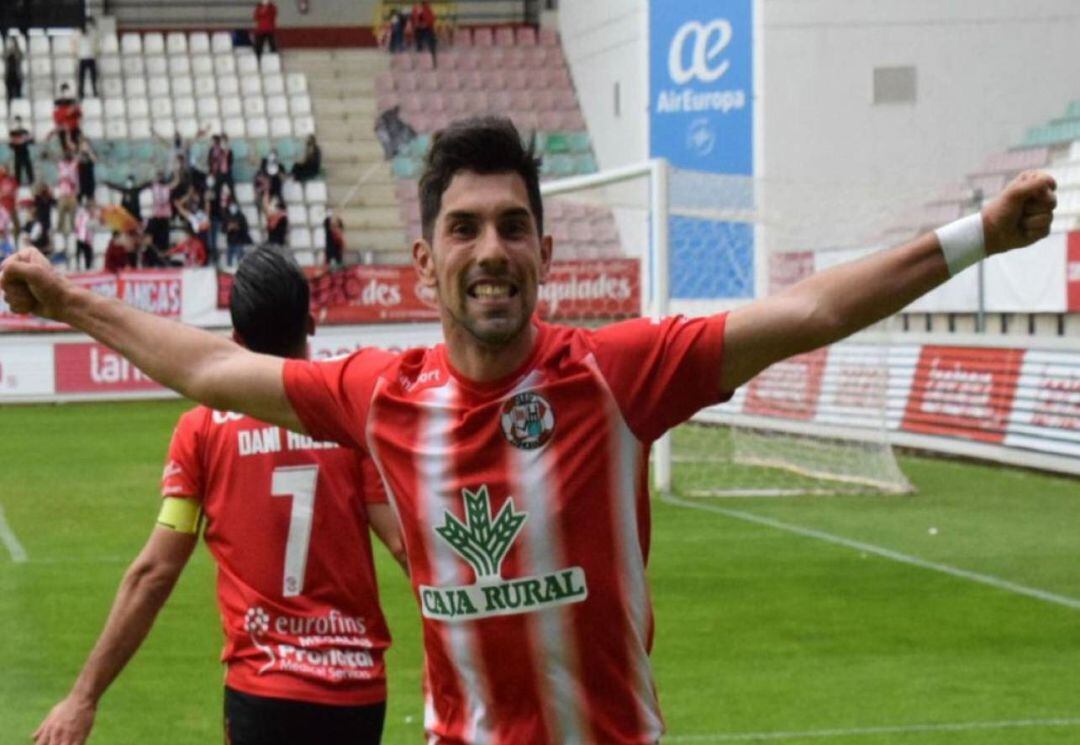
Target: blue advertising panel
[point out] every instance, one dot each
(702, 84)
(702, 119)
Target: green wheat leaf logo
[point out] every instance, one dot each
(481, 540)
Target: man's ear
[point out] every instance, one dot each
(547, 248)
(424, 262)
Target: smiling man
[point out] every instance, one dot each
(516, 453)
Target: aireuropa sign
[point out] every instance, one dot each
(702, 78)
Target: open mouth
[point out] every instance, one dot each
(487, 289)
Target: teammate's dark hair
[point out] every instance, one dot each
(484, 145)
(270, 303)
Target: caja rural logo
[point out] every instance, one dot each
(483, 540)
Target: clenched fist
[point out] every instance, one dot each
(1021, 214)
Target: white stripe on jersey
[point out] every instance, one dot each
(434, 469)
(626, 464)
(553, 638)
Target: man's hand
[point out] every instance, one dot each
(30, 284)
(1021, 214)
(69, 723)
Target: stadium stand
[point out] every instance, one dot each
(155, 85)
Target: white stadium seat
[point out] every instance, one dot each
(199, 42)
(161, 107)
(164, 127)
(231, 107)
(320, 237)
(296, 82)
(297, 214)
(93, 129)
(40, 66)
(254, 106)
(228, 85)
(176, 43)
(212, 124)
(225, 64)
(156, 65)
(257, 126)
(179, 65)
(300, 105)
(234, 127)
(251, 85)
(43, 108)
(139, 129)
(134, 87)
(277, 106)
(110, 44)
(293, 192)
(207, 106)
(247, 64)
(315, 192)
(303, 126)
(316, 215)
(202, 65)
(281, 126)
(64, 67)
(273, 84)
(221, 42)
(109, 66)
(39, 45)
(187, 127)
(245, 194)
(153, 43)
(115, 108)
(116, 129)
(270, 63)
(158, 86)
(182, 86)
(113, 87)
(300, 239)
(131, 44)
(138, 108)
(21, 107)
(205, 86)
(184, 106)
(91, 108)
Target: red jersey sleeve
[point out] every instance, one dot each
(183, 474)
(374, 491)
(662, 373)
(331, 397)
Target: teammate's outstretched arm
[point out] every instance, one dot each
(195, 363)
(838, 302)
(146, 586)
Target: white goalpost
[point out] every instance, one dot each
(816, 424)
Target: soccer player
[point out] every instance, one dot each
(286, 518)
(516, 452)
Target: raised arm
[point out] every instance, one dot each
(195, 363)
(146, 586)
(836, 303)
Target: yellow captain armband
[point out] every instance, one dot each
(181, 515)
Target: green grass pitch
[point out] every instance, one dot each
(763, 634)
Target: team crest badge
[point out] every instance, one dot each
(528, 421)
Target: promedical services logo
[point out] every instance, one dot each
(528, 421)
(331, 646)
(483, 540)
(697, 53)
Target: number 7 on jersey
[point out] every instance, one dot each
(299, 483)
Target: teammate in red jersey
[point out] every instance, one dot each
(515, 453)
(286, 518)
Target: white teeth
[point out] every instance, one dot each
(491, 291)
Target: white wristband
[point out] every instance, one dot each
(962, 243)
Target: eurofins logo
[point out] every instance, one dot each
(483, 540)
(528, 421)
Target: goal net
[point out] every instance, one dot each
(654, 240)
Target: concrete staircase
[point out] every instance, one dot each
(341, 83)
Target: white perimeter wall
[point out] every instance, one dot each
(837, 166)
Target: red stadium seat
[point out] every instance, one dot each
(526, 36)
(408, 82)
(520, 79)
(401, 62)
(545, 100)
(565, 100)
(549, 37)
(515, 57)
(536, 57)
(463, 37)
(475, 80)
(429, 81)
(482, 37)
(384, 83)
(523, 101)
(494, 79)
(501, 101)
(504, 36)
(424, 62)
(450, 80)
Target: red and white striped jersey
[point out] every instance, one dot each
(286, 523)
(525, 512)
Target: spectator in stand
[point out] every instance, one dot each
(268, 180)
(311, 164)
(335, 239)
(43, 203)
(13, 75)
(67, 118)
(129, 195)
(219, 161)
(86, 160)
(20, 139)
(160, 215)
(265, 26)
(7, 231)
(33, 228)
(197, 221)
(423, 24)
(237, 235)
(85, 219)
(85, 47)
(190, 252)
(277, 220)
(398, 23)
(120, 253)
(9, 188)
(66, 192)
(215, 200)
